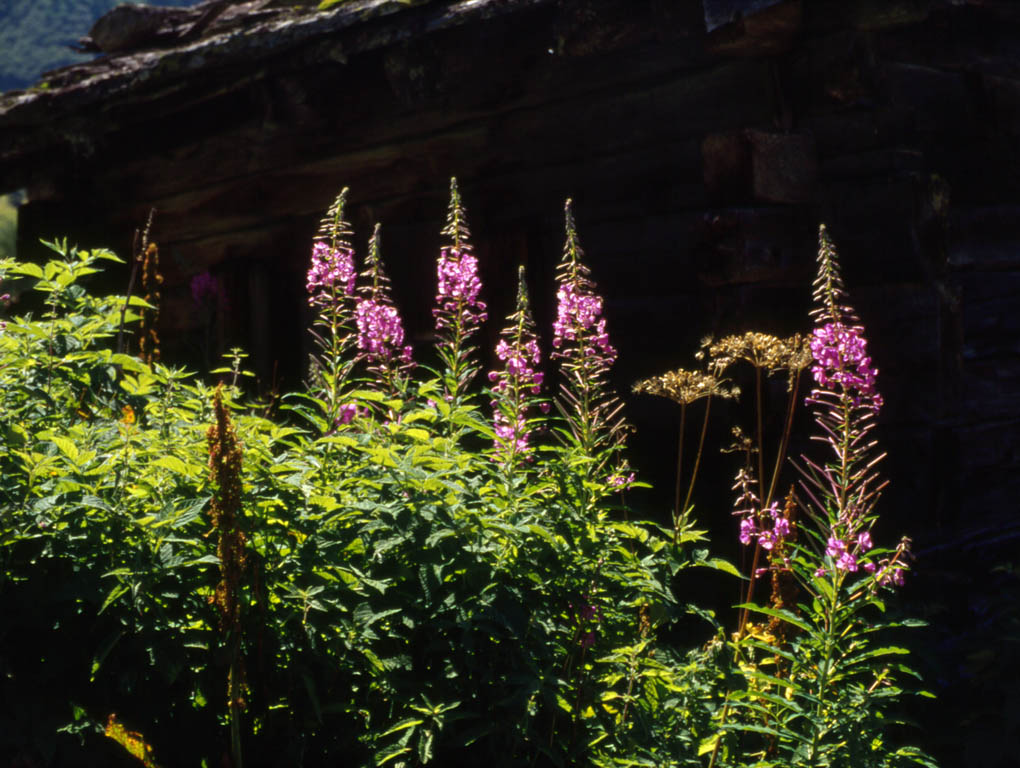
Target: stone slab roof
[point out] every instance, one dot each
(166, 51)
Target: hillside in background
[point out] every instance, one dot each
(35, 35)
(8, 225)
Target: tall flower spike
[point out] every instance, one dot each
(841, 364)
(380, 332)
(330, 284)
(581, 343)
(459, 312)
(225, 459)
(844, 489)
(829, 294)
(516, 387)
(331, 275)
(456, 219)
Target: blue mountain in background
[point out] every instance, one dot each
(35, 35)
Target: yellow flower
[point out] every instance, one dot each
(128, 415)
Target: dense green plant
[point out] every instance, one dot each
(818, 682)
(822, 681)
(393, 573)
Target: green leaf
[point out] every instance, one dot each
(889, 650)
(115, 593)
(718, 564)
(779, 613)
(104, 651)
(173, 464)
(326, 502)
(383, 756)
(404, 725)
(28, 269)
(708, 745)
(67, 447)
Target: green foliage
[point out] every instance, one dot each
(398, 604)
(364, 581)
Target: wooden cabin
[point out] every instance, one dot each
(703, 141)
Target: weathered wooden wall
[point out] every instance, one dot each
(700, 163)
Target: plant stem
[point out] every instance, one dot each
(760, 436)
(697, 456)
(784, 441)
(679, 472)
(235, 709)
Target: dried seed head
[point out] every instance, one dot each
(684, 386)
(762, 350)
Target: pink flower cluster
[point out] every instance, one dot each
(519, 366)
(206, 290)
(837, 550)
(770, 537)
(846, 560)
(380, 332)
(588, 619)
(458, 289)
(332, 268)
(511, 435)
(578, 316)
(347, 413)
(841, 359)
(621, 479)
(890, 574)
(520, 356)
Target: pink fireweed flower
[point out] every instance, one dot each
(594, 420)
(347, 413)
(890, 575)
(864, 541)
(578, 319)
(837, 550)
(847, 562)
(332, 271)
(206, 290)
(458, 312)
(842, 364)
(747, 530)
(458, 289)
(380, 332)
(588, 619)
(516, 384)
(621, 479)
(768, 538)
(836, 547)
(511, 437)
